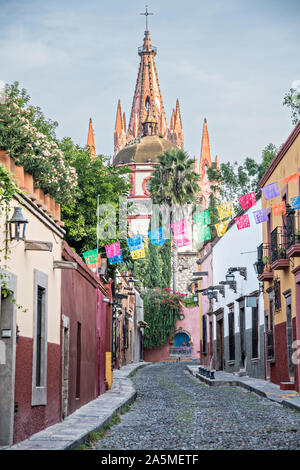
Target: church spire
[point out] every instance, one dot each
(205, 158)
(119, 134)
(147, 98)
(91, 140)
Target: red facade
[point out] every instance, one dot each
(82, 303)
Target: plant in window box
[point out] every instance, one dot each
(282, 252)
(297, 236)
(266, 261)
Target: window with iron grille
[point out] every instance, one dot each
(277, 295)
(231, 335)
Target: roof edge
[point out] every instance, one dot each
(290, 140)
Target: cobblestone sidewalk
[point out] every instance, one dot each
(262, 387)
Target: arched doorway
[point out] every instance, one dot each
(181, 340)
(181, 345)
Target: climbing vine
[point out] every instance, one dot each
(162, 308)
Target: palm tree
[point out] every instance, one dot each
(173, 182)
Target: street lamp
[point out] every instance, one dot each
(17, 225)
(229, 278)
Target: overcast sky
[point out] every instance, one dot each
(230, 61)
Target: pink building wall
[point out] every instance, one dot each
(191, 325)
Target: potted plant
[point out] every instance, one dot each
(282, 252)
(266, 261)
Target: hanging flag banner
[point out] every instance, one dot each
(295, 202)
(157, 236)
(292, 178)
(136, 254)
(116, 259)
(90, 257)
(182, 240)
(279, 209)
(225, 210)
(270, 191)
(260, 216)
(242, 222)
(221, 228)
(248, 200)
(135, 243)
(204, 234)
(179, 230)
(203, 218)
(113, 250)
(179, 227)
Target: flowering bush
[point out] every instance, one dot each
(30, 140)
(162, 310)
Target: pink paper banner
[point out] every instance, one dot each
(182, 240)
(242, 222)
(113, 250)
(248, 200)
(179, 228)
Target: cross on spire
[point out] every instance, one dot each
(146, 14)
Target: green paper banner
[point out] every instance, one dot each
(203, 218)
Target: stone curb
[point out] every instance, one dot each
(74, 430)
(241, 383)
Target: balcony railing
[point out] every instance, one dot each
(278, 243)
(292, 230)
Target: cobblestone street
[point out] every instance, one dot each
(174, 411)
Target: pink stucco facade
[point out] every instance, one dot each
(190, 325)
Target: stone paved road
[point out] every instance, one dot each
(175, 411)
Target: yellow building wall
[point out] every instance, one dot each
(289, 164)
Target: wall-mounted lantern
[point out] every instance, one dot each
(17, 225)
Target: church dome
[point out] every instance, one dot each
(148, 148)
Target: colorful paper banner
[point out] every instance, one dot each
(242, 222)
(136, 254)
(270, 191)
(182, 240)
(295, 202)
(221, 228)
(135, 243)
(225, 210)
(260, 216)
(90, 257)
(279, 209)
(203, 218)
(292, 178)
(113, 250)
(248, 200)
(204, 234)
(157, 236)
(179, 227)
(116, 259)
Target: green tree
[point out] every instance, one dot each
(232, 180)
(166, 267)
(154, 267)
(94, 178)
(292, 101)
(173, 182)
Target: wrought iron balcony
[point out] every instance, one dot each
(292, 235)
(279, 257)
(263, 264)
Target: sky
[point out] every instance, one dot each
(230, 61)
